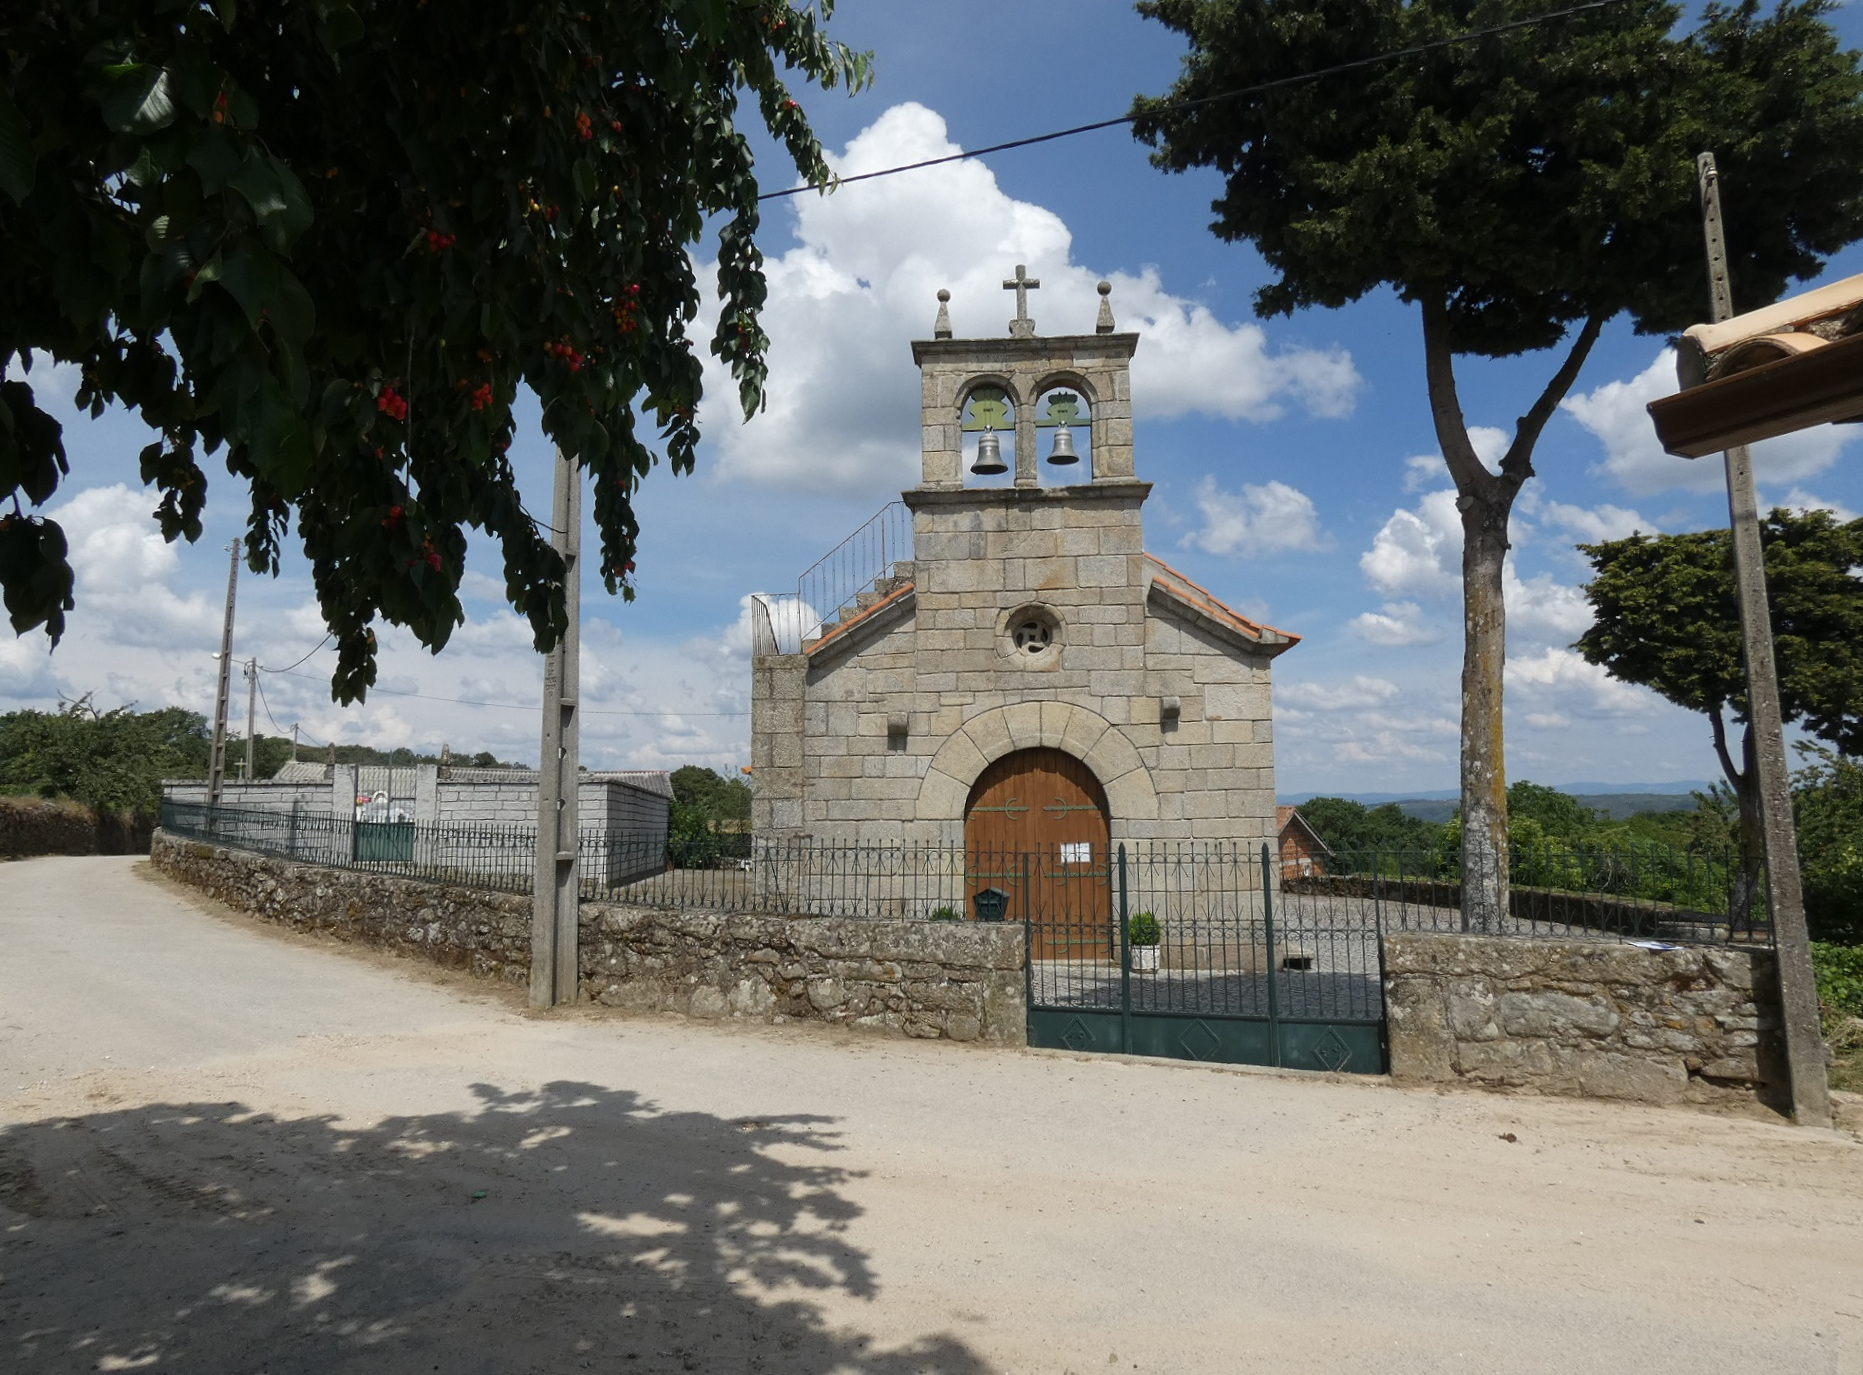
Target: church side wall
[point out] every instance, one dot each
(1214, 767)
(777, 684)
(861, 783)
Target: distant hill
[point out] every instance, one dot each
(1615, 800)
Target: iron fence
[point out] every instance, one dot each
(1640, 892)
(1206, 899)
(496, 857)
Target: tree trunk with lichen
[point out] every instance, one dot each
(1484, 764)
(1486, 500)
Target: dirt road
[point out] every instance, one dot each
(228, 1150)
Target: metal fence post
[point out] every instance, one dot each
(1125, 962)
(1274, 1007)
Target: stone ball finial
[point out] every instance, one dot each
(941, 328)
(1104, 325)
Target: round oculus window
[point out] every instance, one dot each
(1033, 636)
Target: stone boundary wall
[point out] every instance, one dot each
(958, 980)
(32, 826)
(1587, 1019)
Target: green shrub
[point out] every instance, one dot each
(1839, 971)
(1142, 929)
(946, 914)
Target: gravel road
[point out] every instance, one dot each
(227, 1149)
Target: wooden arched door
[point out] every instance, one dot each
(1036, 827)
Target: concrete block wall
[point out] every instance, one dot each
(262, 796)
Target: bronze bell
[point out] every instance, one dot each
(989, 456)
(1063, 451)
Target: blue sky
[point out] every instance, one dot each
(1294, 465)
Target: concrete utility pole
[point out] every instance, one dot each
(1804, 1042)
(252, 689)
(216, 760)
(555, 896)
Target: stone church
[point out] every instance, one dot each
(1027, 676)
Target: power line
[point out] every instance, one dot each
(319, 645)
(518, 706)
(1280, 83)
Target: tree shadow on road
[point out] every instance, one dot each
(572, 1228)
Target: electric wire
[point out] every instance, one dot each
(319, 645)
(1279, 83)
(278, 730)
(1259, 88)
(524, 706)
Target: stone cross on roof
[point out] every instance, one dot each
(1022, 327)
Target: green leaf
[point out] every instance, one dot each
(216, 157)
(277, 198)
(342, 26)
(585, 179)
(19, 162)
(140, 100)
(250, 274)
(292, 312)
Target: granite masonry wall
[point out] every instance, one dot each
(961, 981)
(31, 826)
(1588, 1019)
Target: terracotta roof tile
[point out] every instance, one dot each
(903, 590)
(1205, 601)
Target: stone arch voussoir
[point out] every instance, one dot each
(1079, 731)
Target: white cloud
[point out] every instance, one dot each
(1417, 552)
(1615, 414)
(1557, 680)
(1273, 518)
(123, 567)
(1424, 470)
(1542, 608)
(1356, 693)
(142, 636)
(52, 383)
(1593, 524)
(1798, 499)
(843, 395)
(1398, 623)
(791, 619)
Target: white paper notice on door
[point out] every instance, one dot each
(1076, 852)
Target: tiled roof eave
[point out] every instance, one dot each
(839, 635)
(1188, 598)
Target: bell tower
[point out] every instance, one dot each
(986, 401)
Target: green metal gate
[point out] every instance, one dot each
(1201, 956)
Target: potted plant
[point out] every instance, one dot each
(1142, 936)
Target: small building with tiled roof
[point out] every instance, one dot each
(995, 661)
(1303, 853)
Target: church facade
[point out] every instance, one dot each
(1030, 677)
